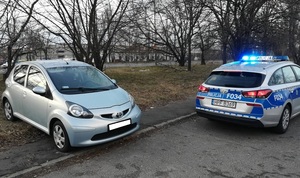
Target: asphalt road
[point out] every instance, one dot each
(192, 147)
(41, 153)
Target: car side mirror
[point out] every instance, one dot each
(114, 81)
(39, 90)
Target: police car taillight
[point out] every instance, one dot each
(257, 93)
(203, 89)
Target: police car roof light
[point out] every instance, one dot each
(282, 58)
(265, 58)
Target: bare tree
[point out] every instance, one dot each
(169, 26)
(45, 40)
(5, 8)
(270, 35)
(238, 21)
(14, 19)
(87, 27)
(206, 37)
(290, 12)
(37, 42)
(221, 11)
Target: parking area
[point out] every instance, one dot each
(194, 147)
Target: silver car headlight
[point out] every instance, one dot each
(78, 111)
(132, 102)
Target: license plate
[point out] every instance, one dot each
(119, 124)
(222, 103)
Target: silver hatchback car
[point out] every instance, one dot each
(72, 101)
(261, 91)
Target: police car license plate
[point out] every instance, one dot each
(222, 103)
(119, 124)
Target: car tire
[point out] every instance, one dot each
(60, 137)
(8, 111)
(284, 121)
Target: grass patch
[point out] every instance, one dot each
(150, 86)
(157, 86)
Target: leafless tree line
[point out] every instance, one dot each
(96, 29)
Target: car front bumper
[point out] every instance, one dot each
(96, 131)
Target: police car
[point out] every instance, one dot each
(262, 91)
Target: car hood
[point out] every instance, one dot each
(103, 99)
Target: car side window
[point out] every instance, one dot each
(288, 74)
(35, 78)
(297, 72)
(277, 78)
(20, 74)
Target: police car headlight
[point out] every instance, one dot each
(78, 111)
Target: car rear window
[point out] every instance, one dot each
(235, 79)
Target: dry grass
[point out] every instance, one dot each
(150, 86)
(156, 86)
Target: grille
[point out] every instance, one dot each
(114, 133)
(110, 115)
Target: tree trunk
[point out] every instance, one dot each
(181, 61)
(202, 58)
(224, 53)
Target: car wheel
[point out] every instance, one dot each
(284, 121)
(8, 111)
(60, 137)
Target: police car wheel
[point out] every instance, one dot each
(284, 121)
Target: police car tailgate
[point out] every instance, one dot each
(226, 100)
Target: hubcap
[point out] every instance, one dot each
(285, 118)
(59, 136)
(8, 111)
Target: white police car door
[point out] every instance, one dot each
(296, 96)
(291, 86)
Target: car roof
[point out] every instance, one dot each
(257, 67)
(56, 63)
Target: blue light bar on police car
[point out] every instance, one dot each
(265, 58)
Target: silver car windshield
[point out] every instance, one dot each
(79, 79)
